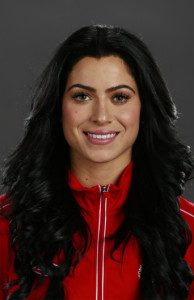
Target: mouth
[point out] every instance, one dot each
(100, 137)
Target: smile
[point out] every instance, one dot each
(101, 139)
(101, 136)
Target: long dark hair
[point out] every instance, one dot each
(45, 216)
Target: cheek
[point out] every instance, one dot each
(69, 123)
(131, 117)
(70, 117)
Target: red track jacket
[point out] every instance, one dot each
(96, 276)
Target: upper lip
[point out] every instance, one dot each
(101, 131)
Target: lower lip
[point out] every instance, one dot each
(100, 141)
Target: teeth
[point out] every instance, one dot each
(101, 136)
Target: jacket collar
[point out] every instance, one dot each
(88, 198)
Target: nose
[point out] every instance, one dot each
(101, 113)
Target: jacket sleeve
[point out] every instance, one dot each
(187, 211)
(191, 292)
(191, 254)
(5, 258)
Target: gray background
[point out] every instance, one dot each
(31, 30)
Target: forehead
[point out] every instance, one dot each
(105, 69)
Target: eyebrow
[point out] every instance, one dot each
(111, 89)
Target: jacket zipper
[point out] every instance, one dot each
(102, 219)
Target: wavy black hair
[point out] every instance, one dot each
(45, 216)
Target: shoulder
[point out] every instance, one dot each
(5, 204)
(4, 231)
(6, 252)
(187, 212)
(4, 222)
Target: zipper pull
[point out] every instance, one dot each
(104, 189)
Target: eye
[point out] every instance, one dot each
(81, 97)
(120, 98)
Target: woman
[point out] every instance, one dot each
(94, 188)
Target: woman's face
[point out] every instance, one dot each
(101, 110)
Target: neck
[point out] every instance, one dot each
(93, 173)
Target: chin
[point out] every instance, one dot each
(101, 159)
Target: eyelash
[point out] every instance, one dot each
(81, 94)
(124, 96)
